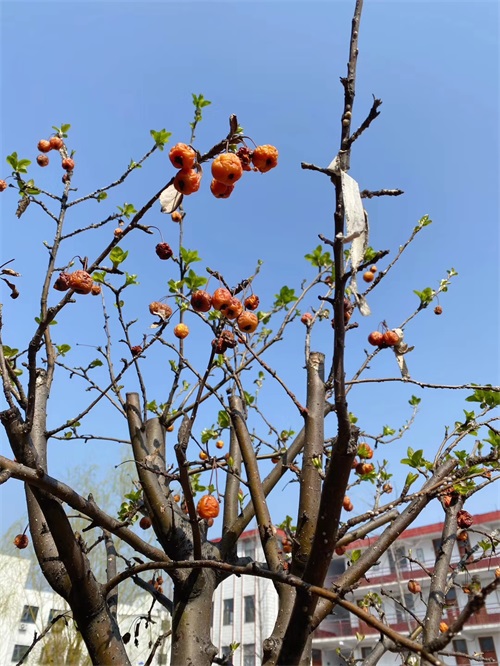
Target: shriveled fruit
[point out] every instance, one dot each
(245, 156)
(182, 156)
(68, 164)
(145, 523)
(80, 281)
(170, 428)
(414, 586)
(463, 536)
(208, 507)
(203, 455)
(376, 338)
(3, 185)
(497, 572)
(306, 318)
(164, 251)
(438, 310)
(373, 269)
(225, 341)
(227, 169)
(176, 216)
(42, 160)
(368, 276)
(117, 232)
(162, 310)
(340, 550)
(347, 504)
(201, 301)
(181, 331)
(449, 499)
(96, 289)
(387, 488)
(210, 522)
(251, 302)
(187, 181)
(221, 299)
(265, 158)
(56, 143)
(364, 468)
(176, 498)
(247, 322)
(21, 541)
(443, 627)
(365, 451)
(219, 444)
(233, 309)
(464, 519)
(220, 190)
(391, 338)
(44, 146)
(62, 282)
(136, 350)
(287, 546)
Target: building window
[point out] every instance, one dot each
(249, 654)
(54, 613)
(248, 549)
(365, 651)
(19, 652)
(29, 614)
(249, 609)
(316, 658)
(451, 598)
(460, 646)
(420, 554)
(487, 647)
(226, 650)
(401, 558)
(227, 617)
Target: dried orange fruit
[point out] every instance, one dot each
(265, 158)
(208, 507)
(227, 169)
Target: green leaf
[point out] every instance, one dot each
(285, 297)
(117, 255)
(9, 352)
(425, 296)
(134, 165)
(423, 222)
(96, 363)
(410, 479)
(127, 210)
(207, 434)
(152, 406)
(194, 281)
(101, 196)
(12, 161)
(65, 128)
(249, 399)
(63, 349)
(130, 279)
(160, 137)
(318, 258)
(22, 166)
(355, 555)
(99, 276)
(414, 401)
(386, 431)
(223, 419)
(189, 256)
(369, 255)
(485, 398)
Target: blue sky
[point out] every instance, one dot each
(115, 70)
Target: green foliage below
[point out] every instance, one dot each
(62, 350)
(9, 352)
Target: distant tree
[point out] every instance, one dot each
(222, 397)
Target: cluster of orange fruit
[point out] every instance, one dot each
(54, 143)
(223, 301)
(227, 168)
(387, 339)
(80, 281)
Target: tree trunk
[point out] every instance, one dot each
(191, 641)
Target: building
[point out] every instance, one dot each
(27, 608)
(481, 635)
(245, 608)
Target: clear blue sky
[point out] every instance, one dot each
(115, 70)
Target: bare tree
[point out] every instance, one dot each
(223, 391)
